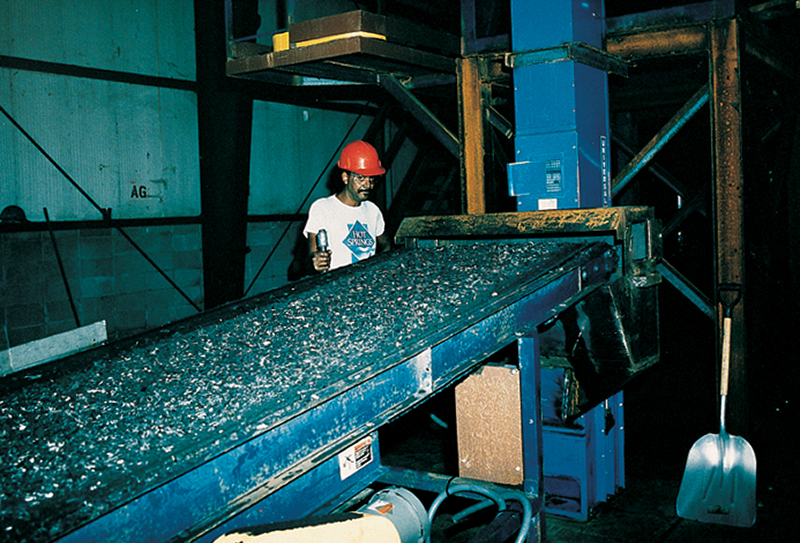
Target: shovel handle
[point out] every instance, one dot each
(726, 332)
(726, 356)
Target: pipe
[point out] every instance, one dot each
(393, 515)
(527, 512)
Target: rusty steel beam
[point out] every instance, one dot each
(583, 221)
(473, 97)
(674, 41)
(726, 122)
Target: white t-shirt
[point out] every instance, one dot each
(352, 231)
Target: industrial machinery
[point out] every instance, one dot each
(267, 409)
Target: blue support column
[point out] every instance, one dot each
(561, 162)
(561, 105)
(531, 411)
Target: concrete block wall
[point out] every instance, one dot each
(109, 280)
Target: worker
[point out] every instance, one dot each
(354, 225)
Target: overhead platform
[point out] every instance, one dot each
(247, 412)
(351, 47)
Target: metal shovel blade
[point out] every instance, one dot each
(719, 482)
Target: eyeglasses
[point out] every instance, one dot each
(361, 179)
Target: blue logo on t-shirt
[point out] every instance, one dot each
(359, 241)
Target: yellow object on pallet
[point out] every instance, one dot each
(280, 41)
(326, 39)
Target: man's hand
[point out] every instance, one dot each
(321, 260)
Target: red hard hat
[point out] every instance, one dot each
(360, 157)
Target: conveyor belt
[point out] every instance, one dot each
(86, 435)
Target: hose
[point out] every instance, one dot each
(494, 497)
(527, 512)
(451, 491)
(458, 517)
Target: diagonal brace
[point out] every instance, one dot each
(660, 139)
(692, 293)
(420, 112)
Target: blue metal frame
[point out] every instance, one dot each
(290, 470)
(532, 428)
(561, 162)
(561, 106)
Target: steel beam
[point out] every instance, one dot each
(692, 293)
(473, 97)
(420, 112)
(579, 52)
(672, 17)
(658, 42)
(660, 173)
(726, 117)
(658, 141)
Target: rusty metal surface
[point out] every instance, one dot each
(83, 436)
(658, 42)
(561, 221)
(671, 17)
(726, 114)
(473, 99)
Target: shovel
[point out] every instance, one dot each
(719, 483)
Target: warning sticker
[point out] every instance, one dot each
(354, 458)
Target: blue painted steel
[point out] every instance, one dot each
(229, 484)
(561, 110)
(531, 415)
(298, 450)
(538, 24)
(499, 329)
(561, 162)
(321, 485)
(568, 473)
(584, 461)
(590, 56)
(611, 476)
